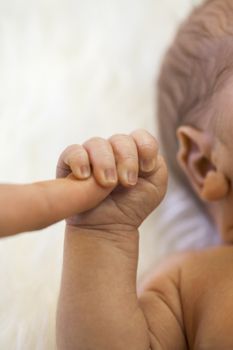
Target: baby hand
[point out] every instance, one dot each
(129, 167)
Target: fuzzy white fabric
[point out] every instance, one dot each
(72, 69)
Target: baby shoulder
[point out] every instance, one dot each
(167, 272)
(160, 299)
(173, 293)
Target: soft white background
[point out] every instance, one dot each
(69, 70)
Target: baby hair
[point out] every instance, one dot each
(195, 69)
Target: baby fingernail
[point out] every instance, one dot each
(147, 165)
(132, 177)
(85, 171)
(110, 175)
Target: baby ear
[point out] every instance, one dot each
(194, 157)
(215, 187)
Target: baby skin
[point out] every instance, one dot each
(185, 303)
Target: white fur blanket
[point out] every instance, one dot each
(69, 70)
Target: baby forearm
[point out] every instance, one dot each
(98, 307)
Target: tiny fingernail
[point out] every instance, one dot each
(132, 177)
(147, 165)
(110, 175)
(85, 171)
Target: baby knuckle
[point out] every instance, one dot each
(71, 148)
(147, 147)
(139, 130)
(67, 151)
(118, 138)
(94, 140)
(141, 133)
(124, 147)
(130, 157)
(78, 157)
(144, 133)
(106, 158)
(76, 153)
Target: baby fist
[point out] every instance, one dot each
(137, 184)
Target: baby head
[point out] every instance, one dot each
(195, 109)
